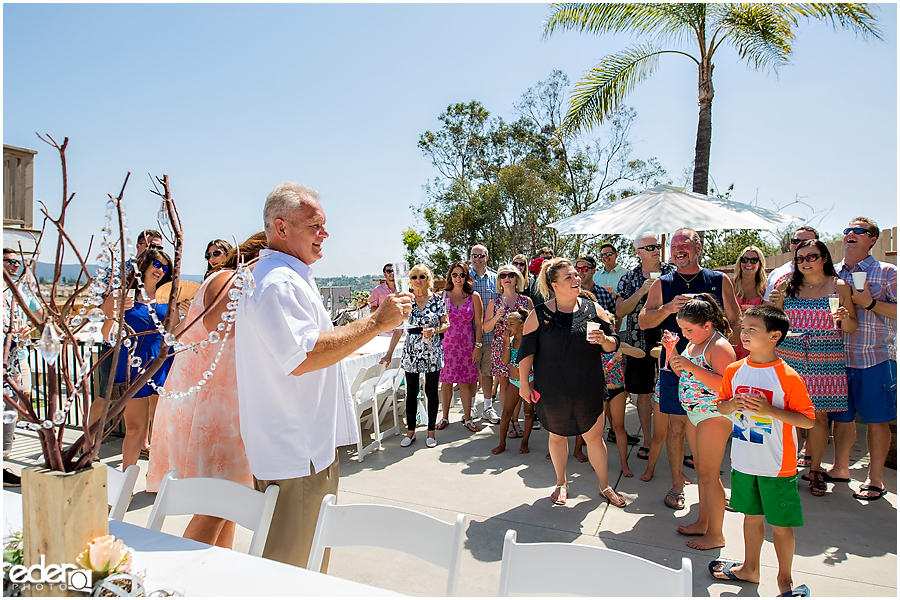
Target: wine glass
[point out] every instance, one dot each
(401, 279)
(834, 303)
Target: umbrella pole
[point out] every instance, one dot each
(662, 249)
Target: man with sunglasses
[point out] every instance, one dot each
(611, 272)
(385, 289)
(640, 373)
(293, 392)
(15, 357)
(871, 356)
(804, 232)
(484, 280)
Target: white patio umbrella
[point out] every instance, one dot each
(664, 209)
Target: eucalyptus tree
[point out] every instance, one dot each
(761, 34)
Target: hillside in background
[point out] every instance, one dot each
(44, 273)
(363, 283)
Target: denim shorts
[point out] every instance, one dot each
(872, 394)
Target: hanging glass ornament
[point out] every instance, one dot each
(49, 345)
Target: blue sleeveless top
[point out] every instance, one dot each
(674, 284)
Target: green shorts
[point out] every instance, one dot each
(776, 498)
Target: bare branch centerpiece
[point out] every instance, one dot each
(64, 501)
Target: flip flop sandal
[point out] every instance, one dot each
(512, 431)
(804, 460)
(831, 479)
(801, 591)
(441, 424)
(560, 494)
(616, 500)
(520, 431)
(725, 571)
(643, 453)
(472, 426)
(861, 494)
(817, 485)
(688, 461)
(674, 500)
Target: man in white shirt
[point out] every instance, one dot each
(804, 232)
(294, 398)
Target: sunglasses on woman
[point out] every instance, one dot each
(506, 275)
(216, 253)
(519, 265)
(811, 257)
(748, 259)
(458, 275)
(415, 277)
(158, 265)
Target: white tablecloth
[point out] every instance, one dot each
(195, 569)
(369, 355)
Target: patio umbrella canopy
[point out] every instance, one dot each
(665, 208)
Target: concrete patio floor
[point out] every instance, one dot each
(847, 548)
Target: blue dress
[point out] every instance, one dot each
(146, 347)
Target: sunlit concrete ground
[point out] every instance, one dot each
(847, 548)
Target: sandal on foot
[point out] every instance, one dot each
(560, 494)
(804, 460)
(441, 424)
(472, 426)
(674, 500)
(643, 453)
(725, 571)
(520, 431)
(688, 461)
(616, 500)
(865, 493)
(817, 485)
(801, 591)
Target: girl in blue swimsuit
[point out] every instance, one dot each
(512, 338)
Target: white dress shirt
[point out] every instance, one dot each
(776, 274)
(287, 421)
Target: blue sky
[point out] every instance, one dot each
(231, 99)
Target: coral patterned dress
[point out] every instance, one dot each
(459, 341)
(199, 435)
(816, 353)
(498, 367)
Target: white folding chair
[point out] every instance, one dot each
(363, 393)
(119, 488)
(386, 397)
(578, 570)
(389, 527)
(217, 498)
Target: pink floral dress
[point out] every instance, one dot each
(199, 435)
(459, 341)
(498, 368)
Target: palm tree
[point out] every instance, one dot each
(761, 34)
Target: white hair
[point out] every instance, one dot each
(644, 236)
(287, 199)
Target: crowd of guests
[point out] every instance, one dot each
(703, 357)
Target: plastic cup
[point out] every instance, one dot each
(859, 280)
(591, 326)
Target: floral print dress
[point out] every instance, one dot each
(498, 367)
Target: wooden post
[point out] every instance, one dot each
(61, 514)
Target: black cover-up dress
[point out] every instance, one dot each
(568, 371)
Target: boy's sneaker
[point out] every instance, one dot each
(491, 415)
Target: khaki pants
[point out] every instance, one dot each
(296, 513)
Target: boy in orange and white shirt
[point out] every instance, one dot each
(768, 399)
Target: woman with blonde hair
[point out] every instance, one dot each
(510, 285)
(521, 263)
(569, 385)
(749, 281)
(422, 352)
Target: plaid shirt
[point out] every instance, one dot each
(486, 286)
(605, 298)
(629, 284)
(875, 338)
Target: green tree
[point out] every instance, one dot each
(762, 35)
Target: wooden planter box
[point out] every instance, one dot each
(61, 514)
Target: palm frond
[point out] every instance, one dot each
(604, 87)
(854, 16)
(760, 33)
(661, 21)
